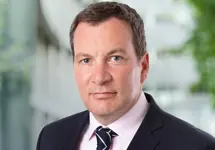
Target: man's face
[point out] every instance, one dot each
(107, 71)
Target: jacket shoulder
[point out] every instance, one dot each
(186, 132)
(53, 135)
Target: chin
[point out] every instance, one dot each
(102, 112)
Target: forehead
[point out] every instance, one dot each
(112, 32)
(111, 23)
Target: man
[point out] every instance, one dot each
(110, 66)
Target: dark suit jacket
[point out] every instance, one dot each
(158, 131)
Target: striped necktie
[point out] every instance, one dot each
(104, 138)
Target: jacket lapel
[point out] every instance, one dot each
(148, 135)
(74, 135)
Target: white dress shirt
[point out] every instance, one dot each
(125, 127)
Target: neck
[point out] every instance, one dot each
(106, 120)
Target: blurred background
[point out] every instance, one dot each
(36, 71)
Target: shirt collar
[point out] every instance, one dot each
(129, 121)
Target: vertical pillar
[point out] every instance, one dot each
(20, 42)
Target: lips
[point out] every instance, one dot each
(103, 95)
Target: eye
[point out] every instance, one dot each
(116, 58)
(85, 60)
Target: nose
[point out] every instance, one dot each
(101, 74)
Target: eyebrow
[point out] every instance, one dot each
(117, 50)
(113, 51)
(82, 55)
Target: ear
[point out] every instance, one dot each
(144, 67)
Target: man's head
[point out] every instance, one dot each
(110, 58)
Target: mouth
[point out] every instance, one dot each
(103, 95)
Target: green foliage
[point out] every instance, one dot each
(14, 58)
(3, 10)
(202, 45)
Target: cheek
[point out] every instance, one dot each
(123, 77)
(128, 79)
(82, 84)
(81, 78)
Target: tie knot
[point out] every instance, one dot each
(104, 138)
